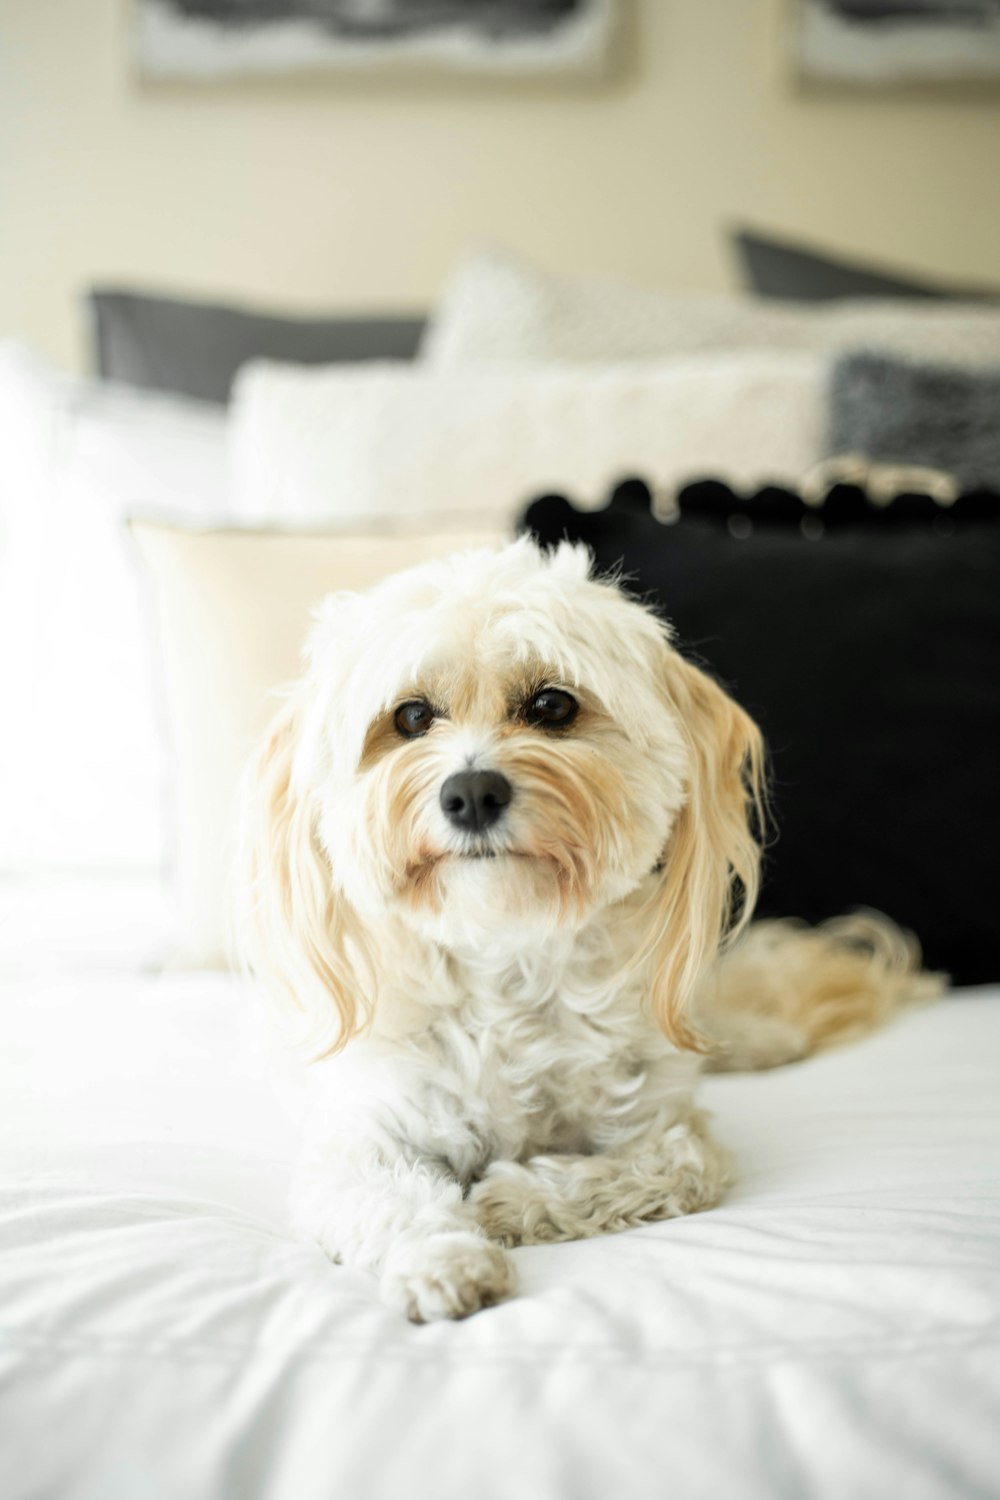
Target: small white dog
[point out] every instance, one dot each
(500, 852)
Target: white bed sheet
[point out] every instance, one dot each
(833, 1330)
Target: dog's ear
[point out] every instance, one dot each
(294, 930)
(711, 865)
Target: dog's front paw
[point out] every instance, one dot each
(501, 1203)
(445, 1276)
(512, 1206)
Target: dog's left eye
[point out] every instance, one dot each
(412, 719)
(551, 708)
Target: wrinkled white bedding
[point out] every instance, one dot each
(833, 1330)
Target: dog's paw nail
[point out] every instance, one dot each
(446, 1276)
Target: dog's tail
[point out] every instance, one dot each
(786, 990)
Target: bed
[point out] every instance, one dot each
(833, 1329)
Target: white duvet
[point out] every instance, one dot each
(833, 1330)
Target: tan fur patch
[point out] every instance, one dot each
(575, 805)
(712, 863)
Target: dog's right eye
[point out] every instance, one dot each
(413, 719)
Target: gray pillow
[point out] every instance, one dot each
(195, 348)
(775, 268)
(937, 416)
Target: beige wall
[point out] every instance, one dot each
(340, 193)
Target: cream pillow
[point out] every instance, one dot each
(233, 609)
(497, 307)
(402, 442)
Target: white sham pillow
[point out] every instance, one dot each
(83, 759)
(399, 444)
(498, 307)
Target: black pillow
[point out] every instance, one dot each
(866, 643)
(774, 268)
(195, 348)
(894, 411)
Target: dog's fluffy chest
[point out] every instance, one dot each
(538, 1079)
(532, 1064)
(518, 1061)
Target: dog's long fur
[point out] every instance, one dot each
(508, 1020)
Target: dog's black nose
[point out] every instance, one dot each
(474, 800)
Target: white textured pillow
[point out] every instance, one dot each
(400, 443)
(83, 755)
(497, 307)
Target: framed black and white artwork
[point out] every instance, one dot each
(898, 41)
(207, 39)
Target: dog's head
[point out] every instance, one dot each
(494, 749)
